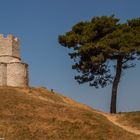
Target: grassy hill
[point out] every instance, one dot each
(38, 114)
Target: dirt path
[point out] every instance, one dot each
(113, 119)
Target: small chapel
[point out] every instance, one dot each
(13, 71)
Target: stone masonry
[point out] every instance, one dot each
(13, 72)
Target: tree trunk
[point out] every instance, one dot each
(115, 85)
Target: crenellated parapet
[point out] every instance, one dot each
(9, 45)
(9, 37)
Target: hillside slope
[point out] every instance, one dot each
(37, 114)
(130, 119)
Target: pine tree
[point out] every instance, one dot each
(100, 44)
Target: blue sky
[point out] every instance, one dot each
(39, 22)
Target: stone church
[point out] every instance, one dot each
(13, 71)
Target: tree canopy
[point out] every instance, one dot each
(94, 44)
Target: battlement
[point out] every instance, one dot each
(9, 37)
(9, 45)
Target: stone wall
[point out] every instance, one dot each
(14, 74)
(5, 46)
(15, 48)
(3, 74)
(17, 74)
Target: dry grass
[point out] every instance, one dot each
(38, 114)
(130, 119)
